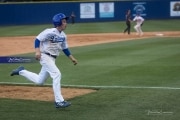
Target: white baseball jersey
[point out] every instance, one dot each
(139, 20)
(52, 41)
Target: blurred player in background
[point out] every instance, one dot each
(139, 22)
(128, 22)
(72, 17)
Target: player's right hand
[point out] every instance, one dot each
(38, 55)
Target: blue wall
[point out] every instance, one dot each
(42, 13)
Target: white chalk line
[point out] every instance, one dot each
(96, 87)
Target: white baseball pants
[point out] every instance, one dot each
(48, 68)
(138, 29)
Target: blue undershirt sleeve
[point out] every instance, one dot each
(36, 43)
(66, 52)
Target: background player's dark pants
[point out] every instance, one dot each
(128, 27)
(72, 20)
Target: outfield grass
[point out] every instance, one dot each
(111, 104)
(142, 63)
(103, 27)
(136, 80)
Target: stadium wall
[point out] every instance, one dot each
(41, 13)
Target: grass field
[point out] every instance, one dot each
(102, 27)
(135, 80)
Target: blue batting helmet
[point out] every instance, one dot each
(57, 19)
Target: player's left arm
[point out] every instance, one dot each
(142, 19)
(69, 55)
(67, 52)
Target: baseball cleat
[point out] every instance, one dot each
(62, 104)
(16, 71)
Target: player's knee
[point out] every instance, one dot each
(40, 83)
(136, 27)
(56, 76)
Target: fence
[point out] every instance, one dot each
(41, 13)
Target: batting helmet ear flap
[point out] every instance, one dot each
(57, 19)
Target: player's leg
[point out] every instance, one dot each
(129, 28)
(136, 29)
(140, 31)
(36, 78)
(125, 30)
(55, 74)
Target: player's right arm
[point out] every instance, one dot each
(37, 49)
(39, 38)
(134, 19)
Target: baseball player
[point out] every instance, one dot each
(72, 16)
(128, 22)
(48, 45)
(139, 22)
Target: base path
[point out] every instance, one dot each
(25, 44)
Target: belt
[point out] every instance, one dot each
(54, 56)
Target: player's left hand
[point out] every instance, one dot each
(74, 61)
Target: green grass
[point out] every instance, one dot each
(103, 27)
(141, 62)
(111, 104)
(152, 62)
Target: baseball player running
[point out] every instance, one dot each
(48, 45)
(139, 22)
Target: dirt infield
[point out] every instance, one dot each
(25, 44)
(19, 45)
